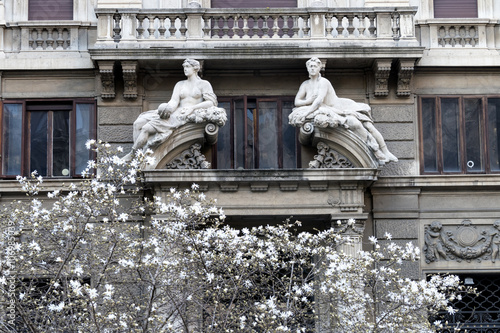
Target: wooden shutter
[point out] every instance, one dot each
(455, 8)
(253, 3)
(50, 10)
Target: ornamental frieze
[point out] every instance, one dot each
(461, 242)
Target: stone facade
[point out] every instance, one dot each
(127, 56)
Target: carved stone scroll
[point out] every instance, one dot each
(129, 69)
(191, 158)
(328, 158)
(107, 79)
(405, 75)
(382, 70)
(461, 242)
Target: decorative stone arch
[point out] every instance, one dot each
(183, 140)
(342, 141)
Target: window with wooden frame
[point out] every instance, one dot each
(455, 8)
(257, 134)
(459, 134)
(46, 136)
(42, 10)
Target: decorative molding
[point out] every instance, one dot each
(461, 242)
(129, 69)
(328, 158)
(191, 158)
(382, 70)
(349, 227)
(405, 75)
(107, 79)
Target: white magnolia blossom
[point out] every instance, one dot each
(92, 262)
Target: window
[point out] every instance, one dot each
(50, 10)
(257, 135)
(46, 136)
(253, 4)
(455, 8)
(460, 134)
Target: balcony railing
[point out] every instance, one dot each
(279, 24)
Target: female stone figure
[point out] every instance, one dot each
(317, 102)
(193, 100)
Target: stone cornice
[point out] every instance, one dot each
(439, 181)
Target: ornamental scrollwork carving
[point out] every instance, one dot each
(463, 242)
(191, 158)
(328, 158)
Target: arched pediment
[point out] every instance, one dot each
(183, 140)
(343, 141)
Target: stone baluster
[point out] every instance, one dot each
(305, 25)
(276, 28)
(140, 29)
(329, 25)
(454, 37)
(236, 26)
(116, 27)
(265, 26)
(447, 37)
(182, 28)
(60, 39)
(225, 27)
(350, 25)
(340, 26)
(245, 27)
(295, 26)
(151, 27)
(172, 29)
(361, 25)
(395, 26)
(467, 37)
(372, 28)
(161, 29)
(31, 41)
(255, 27)
(216, 28)
(286, 28)
(39, 39)
(50, 40)
(206, 27)
(475, 37)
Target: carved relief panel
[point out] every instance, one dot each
(467, 242)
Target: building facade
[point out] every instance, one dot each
(430, 70)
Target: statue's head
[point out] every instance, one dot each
(314, 60)
(436, 225)
(496, 224)
(193, 63)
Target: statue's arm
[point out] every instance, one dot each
(209, 99)
(300, 98)
(320, 95)
(165, 109)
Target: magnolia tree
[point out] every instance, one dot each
(103, 255)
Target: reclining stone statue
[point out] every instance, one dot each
(317, 103)
(193, 101)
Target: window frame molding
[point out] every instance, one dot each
(462, 139)
(25, 137)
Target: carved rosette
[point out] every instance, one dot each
(191, 158)
(382, 70)
(328, 158)
(461, 242)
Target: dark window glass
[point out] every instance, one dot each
(84, 130)
(38, 142)
(429, 134)
(259, 134)
(473, 135)
(450, 134)
(224, 140)
(60, 143)
(460, 134)
(12, 135)
(494, 133)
